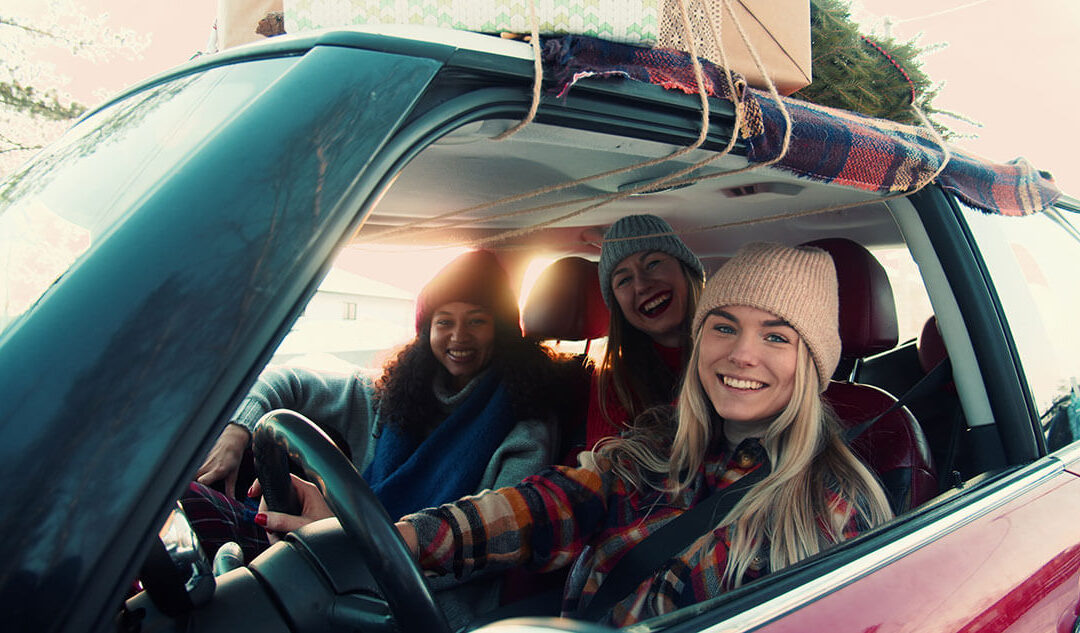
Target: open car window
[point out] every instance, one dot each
(397, 249)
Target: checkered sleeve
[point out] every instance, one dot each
(543, 522)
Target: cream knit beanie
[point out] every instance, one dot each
(796, 284)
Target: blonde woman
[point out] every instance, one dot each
(765, 345)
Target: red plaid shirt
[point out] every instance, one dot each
(553, 518)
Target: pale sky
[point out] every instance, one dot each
(1010, 65)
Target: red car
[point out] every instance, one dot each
(158, 254)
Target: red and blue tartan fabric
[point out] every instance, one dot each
(827, 144)
(589, 518)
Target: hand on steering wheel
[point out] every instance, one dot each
(282, 435)
(312, 503)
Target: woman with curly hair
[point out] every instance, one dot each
(464, 407)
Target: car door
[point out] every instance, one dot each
(203, 207)
(1001, 551)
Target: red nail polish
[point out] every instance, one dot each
(251, 491)
(260, 519)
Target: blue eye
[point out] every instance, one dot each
(776, 338)
(724, 328)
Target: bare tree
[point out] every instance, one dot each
(34, 105)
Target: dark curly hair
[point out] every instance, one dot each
(537, 380)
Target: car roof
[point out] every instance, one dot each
(448, 193)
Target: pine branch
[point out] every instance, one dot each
(47, 105)
(873, 77)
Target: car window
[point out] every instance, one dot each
(912, 303)
(1032, 261)
(364, 309)
(79, 187)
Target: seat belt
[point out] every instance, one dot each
(933, 379)
(673, 537)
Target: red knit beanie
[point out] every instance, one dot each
(474, 277)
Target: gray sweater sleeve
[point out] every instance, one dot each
(339, 403)
(527, 449)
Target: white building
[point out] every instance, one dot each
(350, 322)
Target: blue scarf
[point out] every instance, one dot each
(450, 462)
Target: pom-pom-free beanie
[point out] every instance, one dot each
(637, 233)
(474, 277)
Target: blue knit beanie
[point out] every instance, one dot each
(637, 233)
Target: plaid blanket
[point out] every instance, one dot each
(571, 58)
(827, 144)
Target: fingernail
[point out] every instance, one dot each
(260, 519)
(251, 491)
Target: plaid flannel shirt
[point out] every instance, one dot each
(587, 514)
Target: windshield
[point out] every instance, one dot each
(54, 209)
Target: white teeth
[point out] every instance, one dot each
(739, 383)
(655, 302)
(458, 354)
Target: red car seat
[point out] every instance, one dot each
(894, 447)
(565, 303)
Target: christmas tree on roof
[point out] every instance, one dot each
(879, 77)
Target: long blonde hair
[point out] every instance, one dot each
(628, 358)
(788, 509)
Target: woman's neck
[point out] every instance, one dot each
(668, 339)
(449, 390)
(736, 432)
(672, 356)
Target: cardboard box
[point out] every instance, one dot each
(778, 29)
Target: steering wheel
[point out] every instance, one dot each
(283, 434)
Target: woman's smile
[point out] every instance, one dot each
(746, 363)
(742, 384)
(651, 291)
(656, 305)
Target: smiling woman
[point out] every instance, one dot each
(650, 281)
(462, 339)
(464, 407)
(752, 355)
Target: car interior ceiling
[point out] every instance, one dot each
(465, 171)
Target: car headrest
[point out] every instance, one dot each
(931, 346)
(565, 302)
(867, 309)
